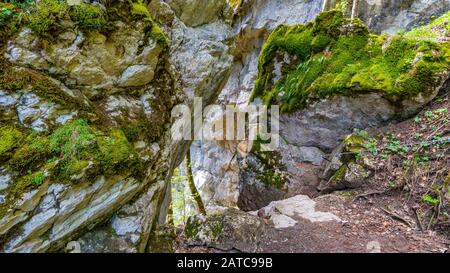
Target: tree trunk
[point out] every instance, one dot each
(194, 191)
(170, 215)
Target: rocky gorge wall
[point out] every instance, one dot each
(310, 134)
(85, 151)
(85, 111)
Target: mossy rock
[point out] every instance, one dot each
(273, 172)
(354, 143)
(339, 175)
(140, 10)
(10, 138)
(192, 227)
(68, 151)
(88, 17)
(337, 55)
(47, 17)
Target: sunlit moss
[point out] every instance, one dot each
(235, 3)
(139, 9)
(46, 15)
(10, 138)
(75, 140)
(69, 149)
(88, 16)
(337, 55)
(116, 151)
(34, 150)
(438, 28)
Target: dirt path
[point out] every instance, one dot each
(364, 227)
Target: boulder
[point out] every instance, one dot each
(226, 230)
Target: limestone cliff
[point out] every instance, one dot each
(86, 92)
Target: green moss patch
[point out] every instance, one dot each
(12, 16)
(116, 152)
(34, 150)
(10, 138)
(336, 55)
(69, 150)
(46, 16)
(235, 3)
(192, 227)
(139, 9)
(88, 17)
(273, 173)
(13, 79)
(339, 175)
(26, 182)
(75, 140)
(434, 31)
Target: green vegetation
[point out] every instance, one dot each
(10, 138)
(430, 199)
(273, 172)
(75, 140)
(192, 227)
(337, 55)
(438, 28)
(38, 178)
(25, 182)
(68, 150)
(13, 79)
(235, 3)
(116, 153)
(412, 159)
(46, 15)
(339, 174)
(88, 17)
(181, 196)
(12, 16)
(35, 149)
(139, 9)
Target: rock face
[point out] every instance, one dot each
(76, 77)
(198, 12)
(226, 230)
(257, 21)
(393, 16)
(216, 174)
(390, 16)
(110, 88)
(281, 212)
(86, 155)
(310, 134)
(91, 61)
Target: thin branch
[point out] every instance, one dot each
(194, 191)
(395, 216)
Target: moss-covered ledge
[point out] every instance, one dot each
(49, 17)
(76, 152)
(337, 55)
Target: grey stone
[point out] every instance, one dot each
(298, 206)
(198, 12)
(136, 75)
(8, 100)
(226, 230)
(5, 180)
(32, 111)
